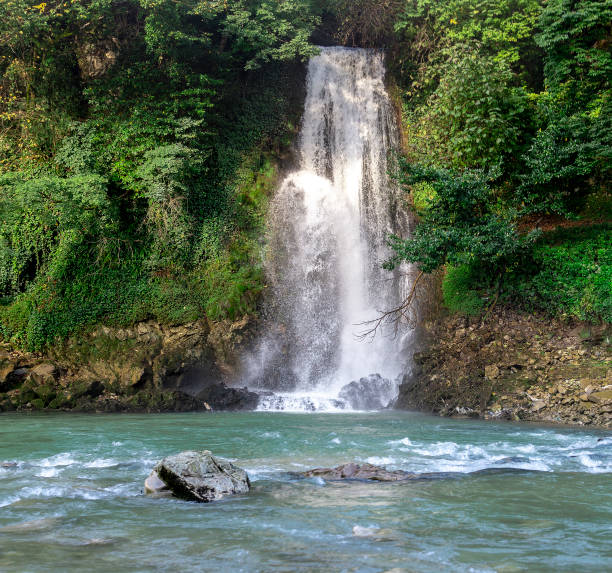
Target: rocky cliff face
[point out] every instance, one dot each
(149, 367)
(516, 367)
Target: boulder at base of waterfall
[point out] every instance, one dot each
(360, 472)
(222, 397)
(199, 476)
(369, 393)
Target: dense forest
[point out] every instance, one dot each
(140, 141)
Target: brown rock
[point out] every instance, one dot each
(359, 472)
(491, 372)
(602, 397)
(44, 373)
(6, 368)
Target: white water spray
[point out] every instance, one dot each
(329, 225)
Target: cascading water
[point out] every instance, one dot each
(328, 230)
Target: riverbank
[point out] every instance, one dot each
(149, 367)
(516, 367)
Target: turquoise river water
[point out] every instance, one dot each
(71, 496)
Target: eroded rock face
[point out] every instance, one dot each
(514, 366)
(149, 367)
(372, 392)
(199, 476)
(360, 472)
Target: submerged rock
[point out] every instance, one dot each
(369, 472)
(199, 476)
(360, 472)
(372, 392)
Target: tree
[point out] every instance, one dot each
(571, 154)
(474, 117)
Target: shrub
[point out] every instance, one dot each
(570, 275)
(458, 291)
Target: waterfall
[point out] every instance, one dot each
(329, 223)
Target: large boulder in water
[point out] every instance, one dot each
(199, 476)
(369, 393)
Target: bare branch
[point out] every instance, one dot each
(394, 316)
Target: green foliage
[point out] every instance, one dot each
(572, 152)
(521, 87)
(137, 140)
(230, 284)
(45, 220)
(502, 27)
(473, 118)
(268, 30)
(423, 196)
(576, 38)
(457, 291)
(426, 28)
(570, 275)
(134, 157)
(463, 225)
(566, 159)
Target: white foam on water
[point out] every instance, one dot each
(437, 449)
(381, 460)
(526, 449)
(58, 460)
(101, 463)
(6, 502)
(300, 402)
(275, 435)
(594, 465)
(48, 472)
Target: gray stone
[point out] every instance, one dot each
(359, 472)
(538, 405)
(199, 476)
(369, 393)
(154, 485)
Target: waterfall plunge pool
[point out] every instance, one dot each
(74, 499)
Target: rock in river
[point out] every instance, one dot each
(360, 472)
(198, 476)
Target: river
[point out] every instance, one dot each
(74, 498)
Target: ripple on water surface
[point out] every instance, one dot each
(543, 502)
